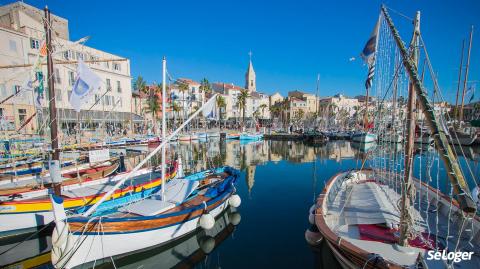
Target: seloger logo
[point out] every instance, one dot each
(449, 256)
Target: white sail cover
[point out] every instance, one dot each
(371, 204)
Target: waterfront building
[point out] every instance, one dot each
(22, 36)
(275, 98)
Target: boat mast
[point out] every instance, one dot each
(164, 123)
(460, 118)
(407, 186)
(55, 162)
(455, 116)
(365, 113)
(316, 100)
(445, 151)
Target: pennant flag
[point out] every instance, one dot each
(86, 85)
(209, 109)
(43, 49)
(368, 54)
(471, 89)
(39, 89)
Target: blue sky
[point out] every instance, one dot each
(291, 41)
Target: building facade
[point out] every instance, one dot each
(22, 37)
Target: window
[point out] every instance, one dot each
(109, 85)
(119, 87)
(107, 64)
(69, 94)
(3, 90)
(16, 89)
(22, 115)
(58, 95)
(34, 44)
(119, 102)
(57, 76)
(71, 78)
(69, 55)
(116, 67)
(251, 82)
(80, 56)
(97, 98)
(13, 45)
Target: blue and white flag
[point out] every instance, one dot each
(85, 86)
(368, 54)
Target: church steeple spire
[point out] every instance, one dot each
(250, 82)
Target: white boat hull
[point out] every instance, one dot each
(364, 138)
(95, 247)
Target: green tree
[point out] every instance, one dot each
(182, 87)
(206, 88)
(242, 103)
(153, 104)
(262, 107)
(140, 85)
(221, 104)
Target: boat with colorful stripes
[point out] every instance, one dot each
(19, 215)
(188, 203)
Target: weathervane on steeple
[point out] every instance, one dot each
(250, 55)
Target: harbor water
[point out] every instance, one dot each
(279, 182)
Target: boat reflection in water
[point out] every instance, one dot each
(26, 250)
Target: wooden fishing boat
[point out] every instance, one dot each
(93, 173)
(189, 203)
(251, 136)
(186, 252)
(463, 138)
(34, 209)
(233, 136)
(356, 213)
(364, 137)
(22, 167)
(187, 137)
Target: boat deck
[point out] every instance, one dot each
(363, 211)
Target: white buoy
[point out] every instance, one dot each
(313, 238)
(207, 244)
(235, 201)
(235, 218)
(311, 215)
(207, 221)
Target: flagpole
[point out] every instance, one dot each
(164, 125)
(55, 162)
(460, 118)
(145, 160)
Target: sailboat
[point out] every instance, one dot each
(183, 205)
(27, 211)
(369, 222)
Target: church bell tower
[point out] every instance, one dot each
(250, 83)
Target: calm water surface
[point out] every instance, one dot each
(278, 184)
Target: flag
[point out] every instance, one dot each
(38, 89)
(471, 89)
(43, 49)
(368, 54)
(86, 85)
(209, 109)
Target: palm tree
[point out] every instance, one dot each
(205, 87)
(139, 84)
(262, 107)
(220, 105)
(183, 87)
(153, 104)
(242, 103)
